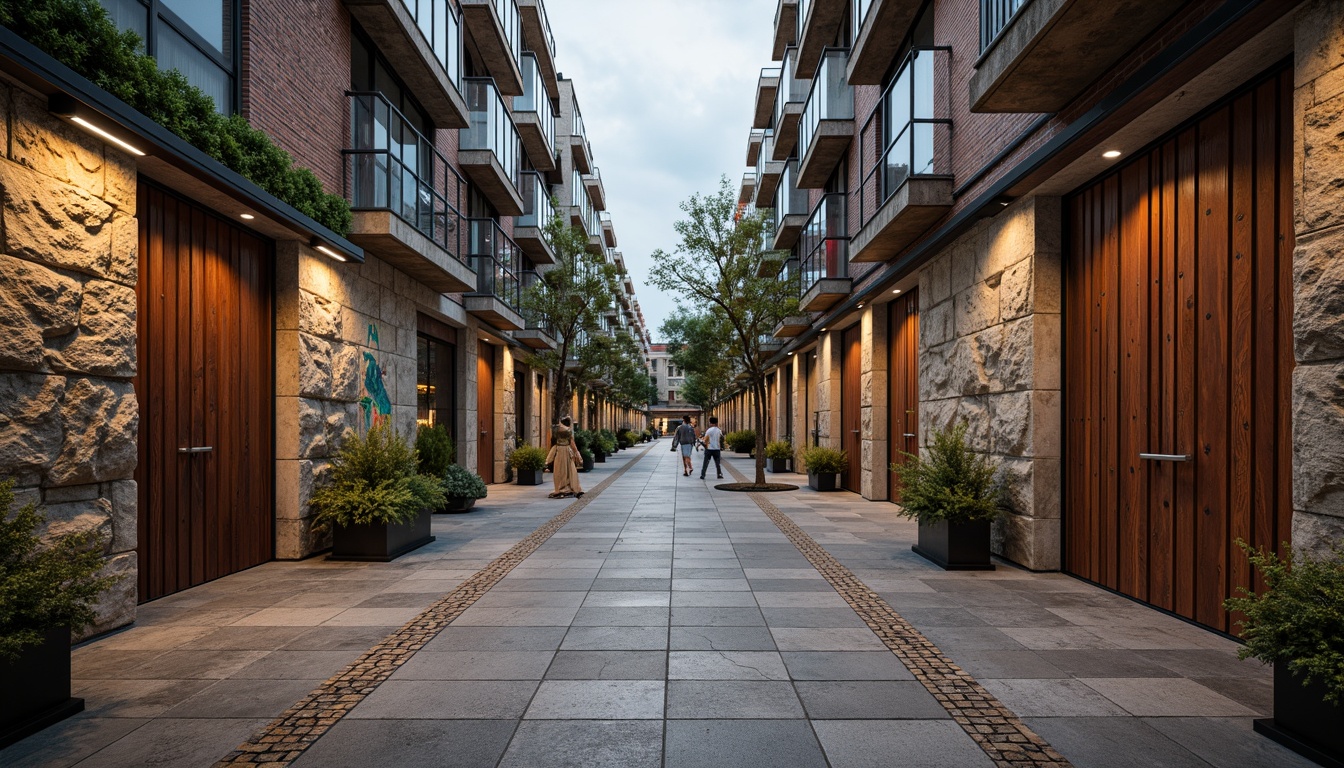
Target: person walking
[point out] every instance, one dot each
(684, 440)
(713, 440)
(564, 459)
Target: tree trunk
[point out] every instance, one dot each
(758, 387)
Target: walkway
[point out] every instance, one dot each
(663, 624)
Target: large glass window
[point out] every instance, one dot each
(434, 380)
(195, 37)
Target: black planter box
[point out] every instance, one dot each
(458, 504)
(530, 477)
(588, 464)
(37, 688)
(955, 546)
(380, 542)
(826, 481)
(599, 457)
(777, 465)
(1303, 721)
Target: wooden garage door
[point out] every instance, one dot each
(205, 389)
(1179, 343)
(903, 382)
(851, 395)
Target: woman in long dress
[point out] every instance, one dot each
(564, 459)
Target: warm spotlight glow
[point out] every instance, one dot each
(246, 216)
(1111, 154)
(330, 252)
(897, 290)
(91, 128)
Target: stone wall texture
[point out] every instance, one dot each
(990, 357)
(68, 268)
(1318, 277)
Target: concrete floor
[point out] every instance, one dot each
(666, 624)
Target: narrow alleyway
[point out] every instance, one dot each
(664, 624)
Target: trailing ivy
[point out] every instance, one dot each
(79, 34)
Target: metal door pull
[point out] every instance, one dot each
(908, 434)
(1165, 456)
(197, 449)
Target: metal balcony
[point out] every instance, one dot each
(596, 192)
(754, 145)
(768, 173)
(747, 192)
(490, 147)
(536, 332)
(818, 24)
(496, 28)
(404, 195)
(498, 293)
(766, 86)
(881, 26)
(533, 116)
(905, 150)
(608, 230)
(538, 38)
(827, 123)
(578, 144)
(422, 40)
(789, 103)
(824, 256)
(529, 230)
(791, 209)
(786, 27)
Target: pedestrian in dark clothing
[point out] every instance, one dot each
(713, 441)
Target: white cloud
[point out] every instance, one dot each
(667, 91)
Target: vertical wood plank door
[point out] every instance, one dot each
(851, 397)
(903, 382)
(205, 387)
(485, 411)
(1178, 357)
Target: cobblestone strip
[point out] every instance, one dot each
(999, 732)
(285, 738)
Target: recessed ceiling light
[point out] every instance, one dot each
(898, 290)
(860, 306)
(246, 216)
(1111, 154)
(823, 329)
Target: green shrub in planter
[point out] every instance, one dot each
(608, 441)
(742, 441)
(825, 461)
(434, 447)
(1298, 620)
(632, 437)
(780, 450)
(461, 483)
(44, 585)
(647, 435)
(949, 481)
(375, 478)
(588, 460)
(527, 458)
(583, 440)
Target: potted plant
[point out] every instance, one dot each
(1297, 624)
(462, 487)
(529, 463)
(955, 494)
(824, 466)
(607, 441)
(777, 455)
(742, 441)
(47, 589)
(377, 503)
(587, 457)
(646, 435)
(434, 450)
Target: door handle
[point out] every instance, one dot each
(1165, 456)
(855, 431)
(908, 434)
(197, 449)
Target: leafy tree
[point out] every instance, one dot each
(701, 345)
(716, 267)
(570, 298)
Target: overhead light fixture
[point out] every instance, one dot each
(823, 329)
(326, 250)
(790, 354)
(1111, 154)
(246, 216)
(72, 109)
(897, 290)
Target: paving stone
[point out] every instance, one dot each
(410, 744)
(69, 741)
(863, 700)
(742, 744)
(453, 699)
(621, 617)
(845, 665)
(296, 665)
(608, 665)
(171, 742)
(586, 744)
(1166, 697)
(883, 743)
(1113, 742)
(727, 700)
(725, 665)
(1227, 741)
(721, 639)
(722, 616)
(812, 617)
(598, 700)
(243, 698)
(475, 665)
(615, 639)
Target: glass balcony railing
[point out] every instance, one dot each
(762, 158)
(490, 125)
(531, 281)
(496, 260)
(769, 72)
(860, 8)
(831, 97)
(791, 89)
(535, 100)
(789, 199)
(592, 225)
(391, 166)
(909, 128)
(438, 22)
(576, 127)
(537, 208)
(512, 22)
(824, 246)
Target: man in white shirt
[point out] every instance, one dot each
(713, 440)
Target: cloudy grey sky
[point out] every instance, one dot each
(667, 90)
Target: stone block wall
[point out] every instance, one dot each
(68, 269)
(990, 356)
(1318, 277)
(874, 387)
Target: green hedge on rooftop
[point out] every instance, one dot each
(79, 34)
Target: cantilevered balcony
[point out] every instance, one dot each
(578, 144)
(534, 117)
(766, 86)
(768, 172)
(905, 152)
(791, 209)
(538, 38)
(403, 194)
(881, 27)
(490, 147)
(818, 24)
(422, 40)
(747, 192)
(827, 123)
(537, 332)
(795, 325)
(1038, 55)
(608, 230)
(786, 27)
(498, 293)
(789, 103)
(596, 192)
(754, 145)
(824, 256)
(496, 28)
(585, 215)
(529, 230)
